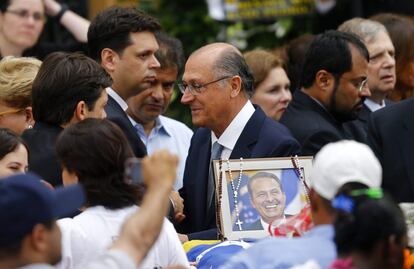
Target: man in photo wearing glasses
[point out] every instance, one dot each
(334, 87)
(217, 85)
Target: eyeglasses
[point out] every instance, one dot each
(196, 89)
(13, 111)
(359, 85)
(25, 14)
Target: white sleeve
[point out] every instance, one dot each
(112, 259)
(176, 253)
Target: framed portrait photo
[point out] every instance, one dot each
(255, 193)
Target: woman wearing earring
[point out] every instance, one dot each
(16, 79)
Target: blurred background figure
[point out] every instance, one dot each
(401, 31)
(271, 84)
(16, 79)
(22, 21)
(293, 56)
(370, 230)
(13, 154)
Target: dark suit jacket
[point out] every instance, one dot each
(261, 137)
(358, 128)
(118, 116)
(391, 137)
(42, 156)
(257, 225)
(311, 124)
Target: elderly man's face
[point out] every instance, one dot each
(268, 199)
(210, 107)
(381, 67)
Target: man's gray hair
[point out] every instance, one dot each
(366, 30)
(231, 63)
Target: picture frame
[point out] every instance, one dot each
(276, 190)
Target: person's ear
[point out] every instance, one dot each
(81, 111)
(29, 117)
(37, 239)
(235, 83)
(109, 59)
(324, 80)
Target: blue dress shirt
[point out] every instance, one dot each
(171, 135)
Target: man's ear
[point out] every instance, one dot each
(324, 80)
(235, 86)
(81, 111)
(108, 59)
(37, 239)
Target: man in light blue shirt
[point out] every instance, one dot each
(145, 109)
(335, 165)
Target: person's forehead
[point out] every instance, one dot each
(27, 4)
(261, 180)
(198, 68)
(169, 73)
(143, 41)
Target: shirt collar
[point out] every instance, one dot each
(121, 102)
(160, 125)
(232, 133)
(373, 106)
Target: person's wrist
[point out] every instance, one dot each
(62, 11)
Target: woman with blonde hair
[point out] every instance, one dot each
(271, 84)
(16, 79)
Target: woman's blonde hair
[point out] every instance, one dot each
(16, 79)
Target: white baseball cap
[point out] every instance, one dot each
(342, 162)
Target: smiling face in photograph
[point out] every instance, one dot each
(267, 198)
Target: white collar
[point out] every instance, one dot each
(232, 133)
(121, 102)
(373, 106)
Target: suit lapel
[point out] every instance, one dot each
(363, 115)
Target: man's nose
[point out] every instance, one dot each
(187, 97)
(154, 62)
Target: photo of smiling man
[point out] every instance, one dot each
(267, 197)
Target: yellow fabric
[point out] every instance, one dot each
(192, 243)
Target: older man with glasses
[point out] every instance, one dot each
(217, 84)
(334, 87)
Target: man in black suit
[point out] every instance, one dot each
(217, 84)
(333, 90)
(67, 89)
(381, 70)
(391, 137)
(122, 40)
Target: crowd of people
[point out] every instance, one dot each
(70, 121)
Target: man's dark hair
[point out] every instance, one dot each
(231, 63)
(262, 175)
(170, 53)
(63, 80)
(111, 29)
(330, 51)
(96, 151)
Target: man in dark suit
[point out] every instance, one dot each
(333, 90)
(217, 85)
(381, 70)
(122, 40)
(391, 137)
(67, 89)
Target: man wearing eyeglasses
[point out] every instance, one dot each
(333, 90)
(216, 85)
(145, 109)
(381, 70)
